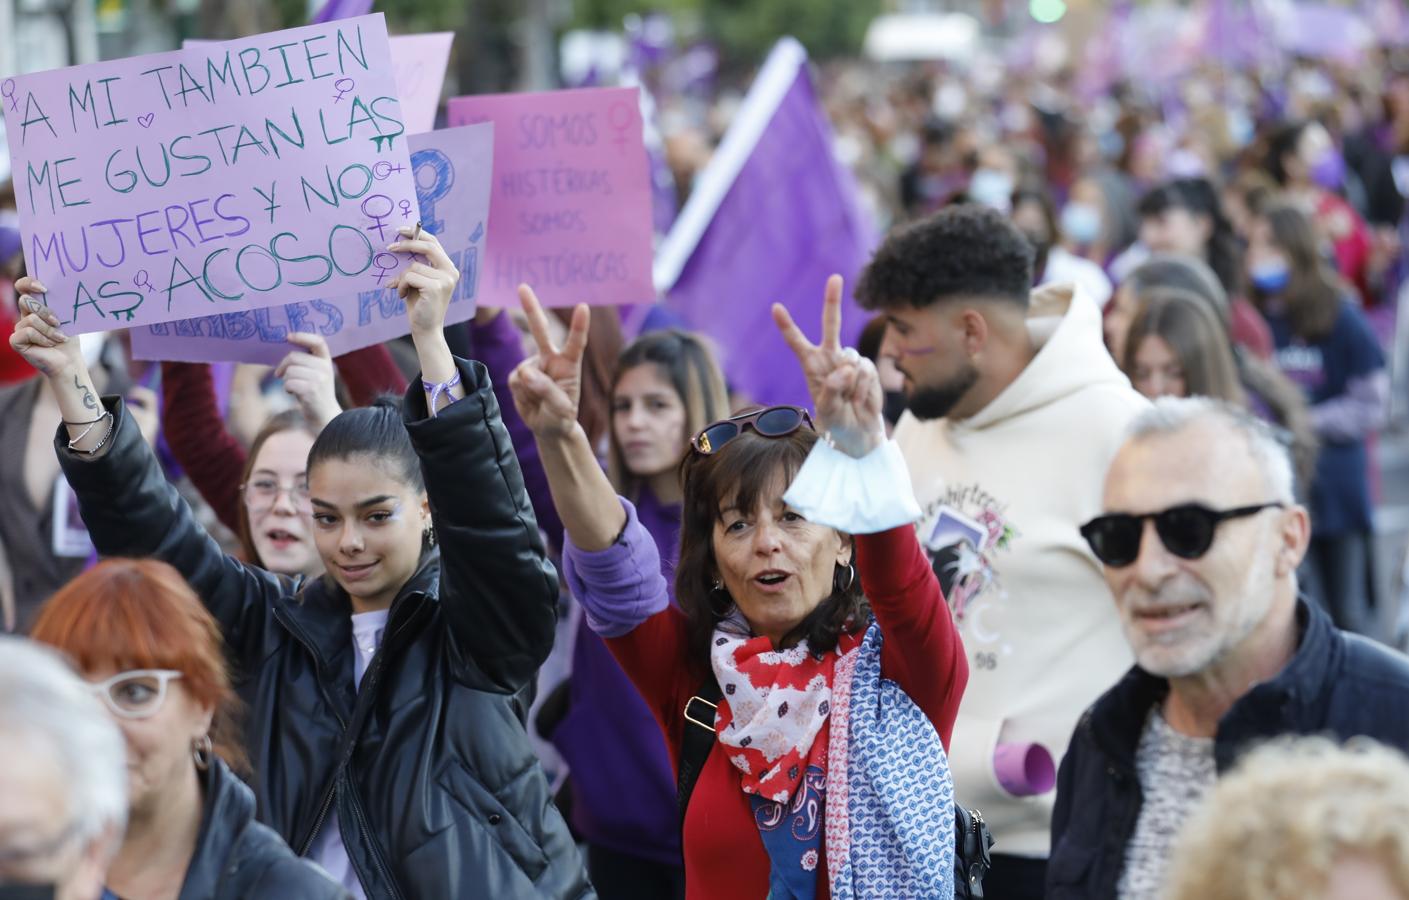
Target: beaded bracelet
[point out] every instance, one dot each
(91, 425)
(438, 389)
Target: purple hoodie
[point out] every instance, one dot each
(622, 776)
(623, 779)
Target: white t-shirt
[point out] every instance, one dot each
(328, 850)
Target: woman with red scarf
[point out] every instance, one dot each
(805, 597)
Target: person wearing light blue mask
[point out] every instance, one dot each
(1326, 346)
(1081, 223)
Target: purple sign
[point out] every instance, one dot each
(418, 64)
(222, 178)
(771, 217)
(452, 170)
(570, 212)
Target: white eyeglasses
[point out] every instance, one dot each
(137, 694)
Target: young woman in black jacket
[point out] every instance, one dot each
(386, 698)
(148, 649)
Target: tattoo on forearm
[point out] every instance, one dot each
(88, 401)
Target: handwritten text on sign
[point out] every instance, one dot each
(219, 178)
(570, 212)
(452, 170)
(418, 64)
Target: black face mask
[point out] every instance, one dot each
(28, 891)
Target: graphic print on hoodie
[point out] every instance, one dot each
(1004, 493)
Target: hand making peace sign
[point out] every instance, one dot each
(547, 385)
(845, 388)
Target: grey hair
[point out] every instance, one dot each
(1168, 415)
(45, 705)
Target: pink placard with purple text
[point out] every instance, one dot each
(221, 178)
(452, 169)
(570, 212)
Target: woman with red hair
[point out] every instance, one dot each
(154, 656)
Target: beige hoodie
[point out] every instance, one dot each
(1037, 620)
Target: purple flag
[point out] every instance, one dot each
(772, 215)
(340, 9)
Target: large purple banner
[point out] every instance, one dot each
(220, 178)
(772, 216)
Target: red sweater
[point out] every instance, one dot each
(724, 856)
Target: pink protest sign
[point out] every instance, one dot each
(221, 178)
(418, 64)
(570, 212)
(452, 170)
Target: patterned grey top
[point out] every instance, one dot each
(1175, 771)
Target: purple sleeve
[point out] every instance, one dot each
(500, 348)
(1361, 409)
(619, 587)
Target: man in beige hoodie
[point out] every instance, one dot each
(1015, 411)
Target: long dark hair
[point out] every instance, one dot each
(687, 363)
(1197, 196)
(1314, 292)
(743, 472)
(1280, 144)
(377, 432)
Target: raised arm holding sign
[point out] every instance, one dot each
(219, 178)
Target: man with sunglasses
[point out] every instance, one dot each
(1200, 540)
(1015, 410)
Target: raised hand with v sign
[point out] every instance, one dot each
(846, 391)
(547, 385)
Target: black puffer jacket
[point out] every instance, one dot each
(437, 790)
(237, 858)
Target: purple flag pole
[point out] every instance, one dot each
(772, 215)
(340, 9)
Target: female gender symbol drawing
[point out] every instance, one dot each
(143, 280)
(342, 86)
(384, 262)
(7, 90)
(378, 217)
(619, 117)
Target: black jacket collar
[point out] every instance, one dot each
(320, 615)
(1271, 707)
(229, 808)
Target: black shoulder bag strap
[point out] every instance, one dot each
(695, 743)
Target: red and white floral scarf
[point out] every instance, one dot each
(774, 707)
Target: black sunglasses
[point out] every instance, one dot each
(773, 422)
(1186, 531)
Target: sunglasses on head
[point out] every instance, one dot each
(1187, 531)
(773, 422)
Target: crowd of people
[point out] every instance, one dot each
(1075, 549)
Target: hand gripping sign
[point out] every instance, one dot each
(220, 178)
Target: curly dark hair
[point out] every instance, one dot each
(743, 471)
(964, 251)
